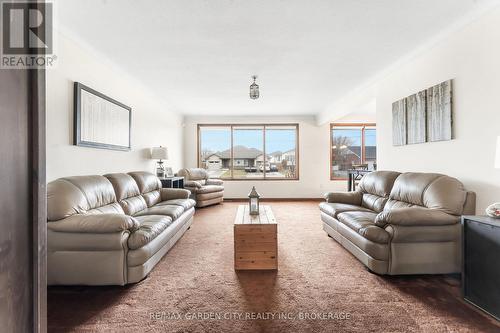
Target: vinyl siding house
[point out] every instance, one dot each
(250, 159)
(244, 158)
(344, 159)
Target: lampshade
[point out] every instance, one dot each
(497, 156)
(159, 153)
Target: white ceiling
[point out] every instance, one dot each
(199, 54)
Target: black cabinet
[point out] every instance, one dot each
(481, 263)
(172, 182)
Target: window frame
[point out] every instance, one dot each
(264, 126)
(363, 127)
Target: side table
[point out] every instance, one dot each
(172, 182)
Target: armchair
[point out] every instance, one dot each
(204, 190)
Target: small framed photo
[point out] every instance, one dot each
(169, 172)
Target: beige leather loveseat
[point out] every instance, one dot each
(401, 223)
(206, 191)
(112, 229)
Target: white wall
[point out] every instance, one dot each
(314, 145)
(152, 122)
(471, 57)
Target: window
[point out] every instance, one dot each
(352, 146)
(243, 152)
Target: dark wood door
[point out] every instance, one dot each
(22, 201)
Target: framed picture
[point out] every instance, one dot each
(100, 121)
(399, 123)
(416, 118)
(169, 172)
(439, 116)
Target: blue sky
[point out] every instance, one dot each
(220, 139)
(355, 136)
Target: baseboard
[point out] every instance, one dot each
(275, 199)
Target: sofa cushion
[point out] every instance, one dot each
(376, 187)
(124, 185)
(209, 196)
(378, 182)
(150, 227)
(194, 174)
(146, 181)
(333, 209)
(210, 189)
(364, 224)
(97, 189)
(112, 208)
(373, 202)
(142, 255)
(185, 203)
(431, 190)
(80, 195)
(173, 211)
(149, 186)
(152, 198)
(64, 199)
(127, 193)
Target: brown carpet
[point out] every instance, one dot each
(316, 277)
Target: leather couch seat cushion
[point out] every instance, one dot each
(209, 196)
(194, 173)
(141, 255)
(173, 211)
(147, 182)
(150, 227)
(113, 208)
(127, 192)
(210, 189)
(364, 224)
(185, 203)
(333, 209)
(152, 198)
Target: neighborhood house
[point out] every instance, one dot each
(250, 160)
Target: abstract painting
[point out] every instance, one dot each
(399, 123)
(416, 118)
(439, 116)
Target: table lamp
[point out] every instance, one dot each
(159, 153)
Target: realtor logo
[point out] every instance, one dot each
(27, 34)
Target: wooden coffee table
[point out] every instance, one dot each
(255, 239)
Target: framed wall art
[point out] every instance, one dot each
(100, 121)
(416, 118)
(399, 123)
(439, 117)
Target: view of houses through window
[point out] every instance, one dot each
(353, 146)
(249, 151)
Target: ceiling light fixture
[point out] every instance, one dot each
(254, 88)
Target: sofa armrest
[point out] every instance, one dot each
(192, 183)
(415, 216)
(95, 223)
(424, 233)
(174, 193)
(351, 198)
(214, 181)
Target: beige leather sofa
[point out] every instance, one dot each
(401, 223)
(112, 229)
(206, 191)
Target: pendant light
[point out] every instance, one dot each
(254, 88)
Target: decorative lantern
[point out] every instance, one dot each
(253, 202)
(254, 88)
